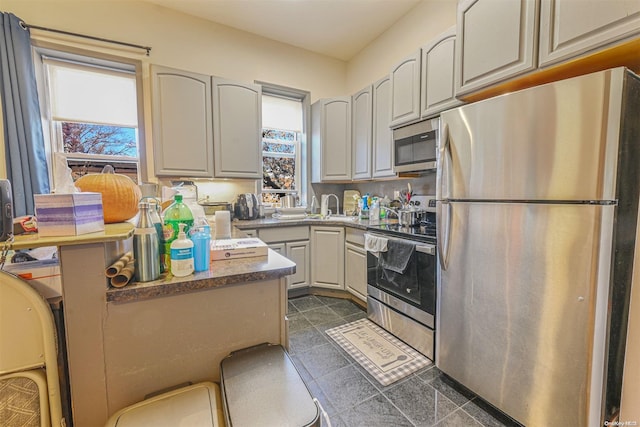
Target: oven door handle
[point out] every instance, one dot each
(426, 249)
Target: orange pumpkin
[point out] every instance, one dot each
(120, 195)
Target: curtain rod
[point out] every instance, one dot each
(68, 33)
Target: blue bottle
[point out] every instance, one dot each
(201, 238)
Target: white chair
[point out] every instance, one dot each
(29, 382)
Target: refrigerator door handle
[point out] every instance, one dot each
(443, 231)
(442, 163)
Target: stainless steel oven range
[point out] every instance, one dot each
(402, 283)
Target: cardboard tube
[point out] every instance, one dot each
(115, 268)
(124, 276)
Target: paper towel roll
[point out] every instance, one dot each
(223, 225)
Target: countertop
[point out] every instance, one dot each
(272, 222)
(228, 272)
(111, 233)
(221, 273)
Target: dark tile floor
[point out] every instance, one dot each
(353, 398)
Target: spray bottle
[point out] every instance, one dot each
(182, 254)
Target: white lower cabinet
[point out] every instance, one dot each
(355, 270)
(355, 264)
(293, 243)
(251, 233)
(299, 253)
(327, 247)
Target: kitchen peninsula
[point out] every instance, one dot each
(126, 343)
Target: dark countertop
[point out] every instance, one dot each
(271, 222)
(221, 273)
(224, 273)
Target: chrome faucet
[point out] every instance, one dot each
(394, 211)
(324, 205)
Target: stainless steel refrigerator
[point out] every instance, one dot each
(537, 214)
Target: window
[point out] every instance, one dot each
(90, 110)
(282, 132)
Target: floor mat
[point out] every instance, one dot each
(384, 356)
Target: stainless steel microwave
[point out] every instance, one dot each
(415, 146)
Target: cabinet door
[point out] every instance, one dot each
(438, 67)
(382, 135)
(251, 233)
(405, 91)
(355, 270)
(237, 126)
(299, 253)
(496, 40)
(182, 123)
(331, 139)
(279, 247)
(569, 28)
(327, 248)
(361, 136)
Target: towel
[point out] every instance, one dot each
(398, 255)
(375, 244)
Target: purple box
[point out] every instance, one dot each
(69, 214)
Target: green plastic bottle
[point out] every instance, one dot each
(175, 214)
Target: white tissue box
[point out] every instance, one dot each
(69, 214)
(226, 249)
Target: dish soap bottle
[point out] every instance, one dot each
(182, 254)
(177, 213)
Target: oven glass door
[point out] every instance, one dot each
(416, 285)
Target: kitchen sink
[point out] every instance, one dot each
(343, 218)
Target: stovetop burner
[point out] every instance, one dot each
(425, 232)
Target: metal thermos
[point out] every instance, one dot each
(146, 247)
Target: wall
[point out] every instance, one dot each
(190, 43)
(418, 27)
(185, 42)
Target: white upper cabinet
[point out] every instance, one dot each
(237, 125)
(361, 133)
(569, 28)
(331, 139)
(496, 40)
(382, 134)
(182, 123)
(438, 68)
(405, 90)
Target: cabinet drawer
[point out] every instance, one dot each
(354, 236)
(283, 234)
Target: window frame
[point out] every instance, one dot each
(51, 130)
(303, 160)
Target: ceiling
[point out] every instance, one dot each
(336, 28)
